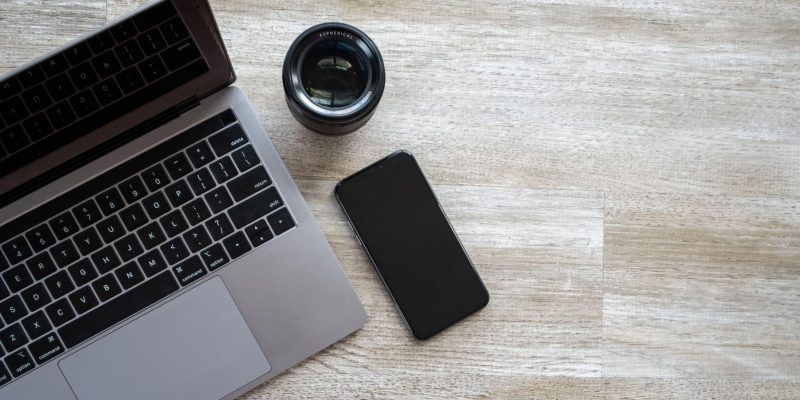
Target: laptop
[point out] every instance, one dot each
(152, 243)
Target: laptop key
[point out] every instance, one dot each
(64, 253)
(17, 250)
(19, 362)
(129, 275)
(255, 207)
(281, 221)
(13, 337)
(83, 299)
(78, 53)
(60, 87)
(178, 193)
(105, 260)
(36, 99)
(12, 309)
(55, 65)
(201, 181)
(123, 31)
(31, 76)
(219, 226)
(180, 54)
(197, 238)
(223, 170)
(84, 103)
(118, 309)
(35, 297)
(249, 183)
(41, 265)
(130, 80)
(60, 312)
(36, 325)
(129, 53)
(173, 30)
(14, 138)
(152, 69)
(87, 213)
(178, 166)
(106, 64)
(60, 115)
(40, 237)
(101, 42)
(174, 251)
(196, 211)
(106, 287)
(88, 241)
(83, 76)
(236, 245)
(152, 263)
(111, 229)
(218, 199)
(189, 270)
(59, 284)
(174, 223)
(155, 177)
(128, 247)
(110, 201)
(13, 110)
(200, 154)
(133, 189)
(258, 233)
(151, 41)
(46, 348)
(37, 127)
(17, 278)
(82, 272)
(107, 91)
(227, 140)
(156, 205)
(245, 158)
(151, 235)
(9, 87)
(133, 217)
(64, 225)
(214, 257)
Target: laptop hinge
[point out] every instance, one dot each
(99, 151)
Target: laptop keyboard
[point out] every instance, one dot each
(120, 242)
(93, 82)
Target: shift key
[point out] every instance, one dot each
(255, 207)
(249, 183)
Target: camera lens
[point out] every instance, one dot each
(333, 77)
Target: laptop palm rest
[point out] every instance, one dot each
(196, 346)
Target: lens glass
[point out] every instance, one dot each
(333, 73)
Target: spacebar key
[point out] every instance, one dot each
(118, 309)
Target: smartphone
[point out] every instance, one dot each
(402, 227)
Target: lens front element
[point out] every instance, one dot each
(332, 74)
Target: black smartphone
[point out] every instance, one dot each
(409, 240)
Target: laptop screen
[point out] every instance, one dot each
(102, 83)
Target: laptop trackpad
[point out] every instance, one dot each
(196, 346)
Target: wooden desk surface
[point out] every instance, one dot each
(625, 175)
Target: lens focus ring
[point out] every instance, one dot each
(333, 78)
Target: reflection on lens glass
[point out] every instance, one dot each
(332, 75)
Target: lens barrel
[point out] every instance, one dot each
(333, 78)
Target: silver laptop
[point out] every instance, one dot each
(152, 243)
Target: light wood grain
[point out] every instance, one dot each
(624, 174)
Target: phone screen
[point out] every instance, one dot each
(404, 230)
